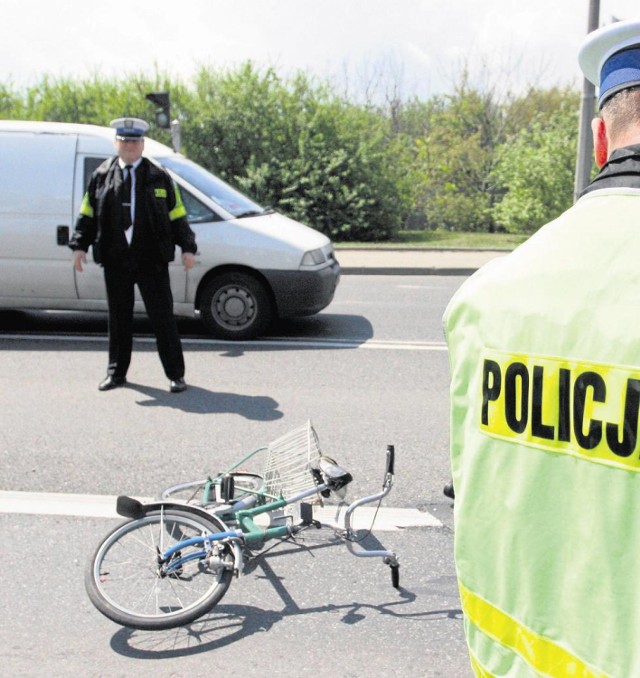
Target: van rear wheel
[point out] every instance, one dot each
(235, 306)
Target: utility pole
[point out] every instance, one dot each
(584, 160)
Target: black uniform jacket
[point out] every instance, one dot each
(162, 212)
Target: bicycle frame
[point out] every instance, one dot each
(248, 533)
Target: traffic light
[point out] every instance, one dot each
(163, 110)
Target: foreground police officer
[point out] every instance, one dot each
(133, 217)
(545, 394)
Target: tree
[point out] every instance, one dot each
(295, 145)
(456, 156)
(535, 171)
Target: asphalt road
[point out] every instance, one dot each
(369, 371)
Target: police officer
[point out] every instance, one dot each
(545, 396)
(133, 217)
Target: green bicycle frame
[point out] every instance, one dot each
(249, 532)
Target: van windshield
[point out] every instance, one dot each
(221, 193)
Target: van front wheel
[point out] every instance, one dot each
(235, 306)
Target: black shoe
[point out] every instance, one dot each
(447, 490)
(177, 385)
(111, 382)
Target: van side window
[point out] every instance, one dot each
(197, 213)
(90, 166)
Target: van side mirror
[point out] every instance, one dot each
(62, 235)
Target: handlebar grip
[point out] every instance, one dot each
(391, 455)
(395, 576)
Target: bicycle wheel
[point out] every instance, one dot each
(125, 583)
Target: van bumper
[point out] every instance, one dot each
(299, 293)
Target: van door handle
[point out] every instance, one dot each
(63, 235)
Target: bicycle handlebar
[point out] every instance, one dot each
(391, 457)
(389, 557)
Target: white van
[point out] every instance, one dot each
(253, 265)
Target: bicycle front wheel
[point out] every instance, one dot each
(125, 582)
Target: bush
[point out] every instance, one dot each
(297, 147)
(536, 172)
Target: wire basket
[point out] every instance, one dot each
(289, 461)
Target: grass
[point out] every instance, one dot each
(444, 240)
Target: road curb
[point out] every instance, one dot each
(396, 261)
(382, 270)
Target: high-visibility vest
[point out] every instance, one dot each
(544, 349)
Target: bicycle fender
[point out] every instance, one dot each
(129, 507)
(133, 508)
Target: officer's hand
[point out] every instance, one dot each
(189, 260)
(79, 258)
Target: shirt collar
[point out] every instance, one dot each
(123, 164)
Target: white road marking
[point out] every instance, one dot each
(387, 519)
(54, 504)
(377, 345)
(104, 506)
(368, 344)
(418, 287)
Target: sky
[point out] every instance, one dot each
(368, 48)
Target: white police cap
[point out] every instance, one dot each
(129, 128)
(610, 57)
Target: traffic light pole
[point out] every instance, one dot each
(176, 139)
(584, 161)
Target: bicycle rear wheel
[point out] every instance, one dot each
(124, 581)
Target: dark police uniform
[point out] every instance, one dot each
(160, 224)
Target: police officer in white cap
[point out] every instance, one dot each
(610, 58)
(133, 217)
(544, 349)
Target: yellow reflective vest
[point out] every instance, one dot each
(544, 349)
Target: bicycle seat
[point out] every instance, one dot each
(335, 476)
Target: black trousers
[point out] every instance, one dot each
(154, 286)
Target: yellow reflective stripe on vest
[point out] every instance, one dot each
(85, 208)
(477, 667)
(585, 409)
(542, 654)
(179, 210)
